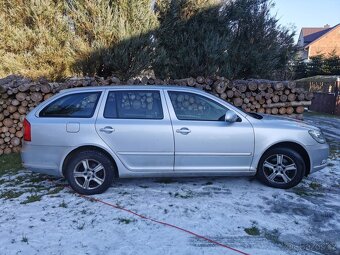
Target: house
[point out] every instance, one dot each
(315, 41)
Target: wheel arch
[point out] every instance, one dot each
(296, 147)
(85, 148)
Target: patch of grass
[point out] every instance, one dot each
(165, 180)
(38, 178)
(55, 190)
(183, 196)
(19, 179)
(31, 199)
(178, 195)
(300, 192)
(24, 239)
(10, 163)
(315, 185)
(63, 204)
(125, 220)
(123, 193)
(273, 236)
(11, 194)
(33, 187)
(253, 231)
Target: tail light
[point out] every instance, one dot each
(27, 131)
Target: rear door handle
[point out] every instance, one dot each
(183, 131)
(107, 129)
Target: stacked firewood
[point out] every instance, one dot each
(262, 96)
(19, 95)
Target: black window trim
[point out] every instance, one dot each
(169, 91)
(135, 90)
(73, 117)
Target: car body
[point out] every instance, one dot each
(161, 131)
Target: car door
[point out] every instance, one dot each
(136, 125)
(203, 140)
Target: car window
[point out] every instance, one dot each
(191, 106)
(134, 104)
(80, 105)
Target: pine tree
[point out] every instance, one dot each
(332, 64)
(315, 66)
(192, 39)
(237, 39)
(300, 69)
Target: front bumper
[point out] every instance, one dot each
(318, 155)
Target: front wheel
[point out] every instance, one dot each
(90, 172)
(281, 168)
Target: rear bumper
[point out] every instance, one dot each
(43, 159)
(319, 156)
(42, 169)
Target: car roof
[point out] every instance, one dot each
(132, 87)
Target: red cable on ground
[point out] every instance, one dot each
(164, 223)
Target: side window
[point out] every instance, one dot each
(133, 104)
(191, 106)
(80, 105)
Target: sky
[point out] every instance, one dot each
(307, 13)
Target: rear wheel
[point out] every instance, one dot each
(90, 172)
(281, 168)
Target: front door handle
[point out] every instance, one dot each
(107, 129)
(183, 131)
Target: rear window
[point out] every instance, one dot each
(80, 105)
(133, 104)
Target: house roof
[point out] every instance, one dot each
(313, 33)
(312, 37)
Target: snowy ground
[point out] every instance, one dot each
(42, 216)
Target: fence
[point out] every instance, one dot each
(326, 93)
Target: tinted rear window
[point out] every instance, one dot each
(133, 104)
(80, 105)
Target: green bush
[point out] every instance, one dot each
(318, 65)
(172, 38)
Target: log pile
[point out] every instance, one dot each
(19, 95)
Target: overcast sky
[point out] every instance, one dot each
(307, 13)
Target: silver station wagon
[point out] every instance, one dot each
(93, 135)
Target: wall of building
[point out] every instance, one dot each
(326, 44)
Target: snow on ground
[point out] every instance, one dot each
(40, 215)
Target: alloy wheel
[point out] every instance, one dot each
(89, 174)
(279, 169)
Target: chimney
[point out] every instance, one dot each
(326, 26)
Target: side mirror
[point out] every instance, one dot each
(230, 117)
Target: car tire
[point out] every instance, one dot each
(90, 172)
(281, 168)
